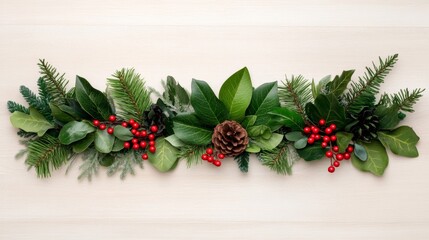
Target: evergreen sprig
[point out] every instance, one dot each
(362, 93)
(90, 165)
(14, 106)
(125, 163)
(192, 154)
(56, 83)
(403, 100)
(279, 159)
(295, 93)
(41, 104)
(47, 153)
(243, 161)
(130, 95)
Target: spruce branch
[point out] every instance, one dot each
(14, 106)
(243, 162)
(38, 103)
(130, 95)
(192, 154)
(404, 100)
(279, 159)
(295, 93)
(362, 93)
(55, 82)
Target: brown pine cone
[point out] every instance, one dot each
(230, 138)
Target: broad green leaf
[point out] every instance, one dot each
(401, 141)
(289, 118)
(206, 105)
(377, 159)
(33, 122)
(122, 133)
(259, 131)
(343, 140)
(118, 145)
(318, 89)
(103, 141)
(60, 115)
(312, 152)
(165, 156)
(182, 95)
(268, 144)
(107, 160)
(75, 131)
(236, 94)
(175, 141)
(253, 148)
(188, 129)
(328, 108)
(83, 144)
(294, 136)
(389, 117)
(264, 99)
(360, 152)
(301, 143)
(249, 121)
(339, 84)
(94, 102)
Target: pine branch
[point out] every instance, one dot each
(44, 94)
(36, 102)
(404, 100)
(279, 159)
(131, 97)
(55, 82)
(47, 153)
(25, 134)
(192, 154)
(362, 93)
(90, 165)
(125, 163)
(13, 106)
(295, 93)
(243, 162)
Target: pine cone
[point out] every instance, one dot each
(155, 116)
(230, 138)
(366, 124)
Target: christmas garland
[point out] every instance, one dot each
(335, 119)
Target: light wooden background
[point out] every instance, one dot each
(210, 40)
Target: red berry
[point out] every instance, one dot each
(326, 139)
(124, 124)
(350, 149)
(217, 163)
(152, 149)
(143, 144)
(151, 143)
(209, 151)
(307, 130)
(110, 130)
(335, 148)
(347, 156)
(310, 140)
(210, 159)
(134, 140)
(324, 144)
(204, 157)
(331, 169)
(339, 157)
(312, 135)
(131, 121)
(151, 137)
(333, 127)
(328, 131)
(322, 122)
(136, 146)
(135, 125)
(312, 127)
(145, 156)
(133, 131)
(143, 133)
(96, 123)
(329, 154)
(127, 145)
(333, 138)
(317, 137)
(137, 134)
(315, 130)
(336, 164)
(154, 128)
(221, 156)
(102, 126)
(112, 118)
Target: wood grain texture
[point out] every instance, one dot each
(210, 40)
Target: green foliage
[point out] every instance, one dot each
(16, 107)
(61, 115)
(326, 107)
(362, 93)
(243, 161)
(236, 94)
(279, 159)
(343, 140)
(174, 96)
(294, 136)
(33, 122)
(90, 165)
(320, 88)
(165, 157)
(360, 152)
(377, 159)
(189, 129)
(47, 153)
(311, 153)
(75, 131)
(191, 153)
(25, 134)
(38, 103)
(103, 141)
(264, 99)
(94, 102)
(125, 163)
(295, 94)
(288, 118)
(122, 133)
(82, 145)
(130, 95)
(401, 141)
(339, 84)
(268, 144)
(55, 82)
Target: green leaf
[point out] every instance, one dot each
(107, 160)
(264, 99)
(312, 152)
(319, 88)
(165, 156)
(94, 102)
(103, 141)
(175, 141)
(343, 140)
(188, 129)
(401, 141)
(268, 144)
(301, 143)
(236, 94)
(253, 148)
(289, 118)
(33, 122)
(182, 95)
(83, 144)
(294, 136)
(75, 131)
(259, 131)
(389, 117)
(206, 105)
(118, 145)
(122, 133)
(248, 121)
(339, 84)
(328, 108)
(60, 115)
(377, 159)
(360, 152)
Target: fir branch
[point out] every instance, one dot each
(91, 164)
(39, 104)
(125, 163)
(14, 106)
(404, 100)
(55, 82)
(46, 153)
(44, 94)
(295, 93)
(25, 134)
(131, 97)
(192, 154)
(279, 159)
(243, 161)
(362, 93)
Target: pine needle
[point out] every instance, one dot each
(192, 154)
(55, 82)
(295, 93)
(279, 159)
(124, 163)
(404, 100)
(91, 164)
(14, 106)
(243, 162)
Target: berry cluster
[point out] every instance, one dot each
(329, 140)
(106, 125)
(209, 157)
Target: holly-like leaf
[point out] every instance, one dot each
(236, 94)
(339, 84)
(343, 140)
(122, 133)
(33, 122)
(83, 144)
(288, 118)
(206, 105)
(360, 152)
(401, 141)
(264, 99)
(328, 108)
(165, 156)
(188, 129)
(94, 102)
(377, 159)
(312, 152)
(103, 141)
(75, 131)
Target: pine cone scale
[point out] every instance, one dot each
(230, 138)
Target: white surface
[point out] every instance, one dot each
(210, 41)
